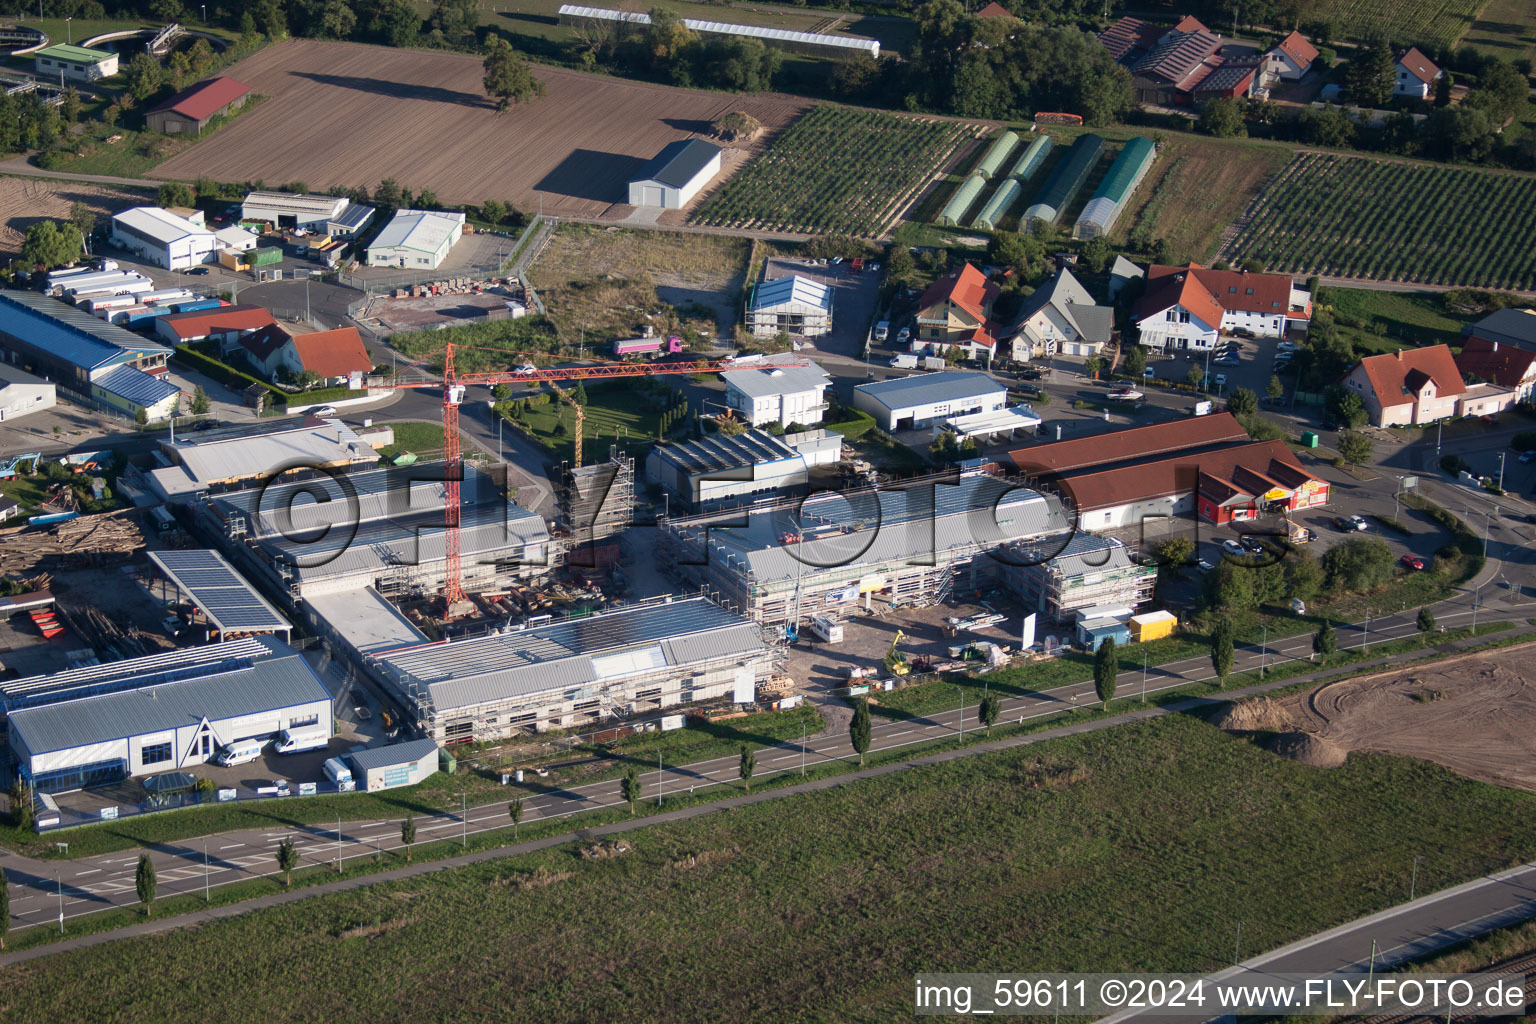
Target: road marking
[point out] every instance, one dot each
(93, 871)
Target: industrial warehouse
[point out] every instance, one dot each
(898, 548)
(577, 672)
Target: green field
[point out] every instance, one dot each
(1348, 216)
(623, 412)
(1378, 321)
(1438, 22)
(821, 907)
(835, 171)
(1505, 28)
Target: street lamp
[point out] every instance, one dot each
(960, 719)
(69, 31)
(338, 842)
(463, 819)
(207, 892)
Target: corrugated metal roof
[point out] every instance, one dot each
(294, 203)
(367, 494)
(678, 163)
(925, 389)
(133, 385)
(767, 379)
(161, 225)
(70, 334)
(133, 671)
(205, 98)
(282, 680)
(420, 230)
(409, 752)
(241, 457)
(793, 288)
(719, 452)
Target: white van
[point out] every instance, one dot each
(294, 741)
(239, 752)
(337, 771)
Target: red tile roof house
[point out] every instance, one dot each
(955, 313)
(1505, 365)
(189, 111)
(1289, 59)
(1188, 307)
(330, 355)
(1416, 74)
(223, 325)
(1406, 387)
(1168, 74)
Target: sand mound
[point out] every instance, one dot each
(1257, 715)
(1305, 748)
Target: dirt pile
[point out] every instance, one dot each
(1305, 748)
(1261, 714)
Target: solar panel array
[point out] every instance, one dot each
(229, 601)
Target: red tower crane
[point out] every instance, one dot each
(453, 385)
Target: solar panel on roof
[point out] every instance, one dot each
(223, 595)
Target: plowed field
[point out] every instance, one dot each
(349, 114)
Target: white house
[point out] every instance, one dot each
(1060, 317)
(767, 393)
(1289, 59)
(676, 175)
(921, 400)
(75, 63)
(161, 237)
(416, 239)
(794, 304)
(1416, 75)
(1186, 308)
(21, 393)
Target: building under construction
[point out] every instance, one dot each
(1058, 580)
(596, 503)
(380, 528)
(577, 671)
(912, 546)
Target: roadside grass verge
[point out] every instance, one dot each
(823, 905)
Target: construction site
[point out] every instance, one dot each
(839, 555)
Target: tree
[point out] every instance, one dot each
(1275, 390)
(1371, 74)
(1223, 118)
(1021, 253)
(1174, 553)
(1221, 649)
(49, 244)
(388, 194)
(1358, 564)
(408, 835)
(83, 218)
(337, 20)
(22, 812)
(200, 402)
(988, 711)
(455, 19)
(1096, 254)
(145, 76)
(859, 728)
(69, 108)
(1242, 402)
(1135, 361)
(1303, 576)
(1092, 365)
(579, 393)
(1195, 376)
(178, 70)
(515, 812)
(5, 908)
(1325, 641)
(1443, 89)
(175, 193)
(247, 25)
(747, 767)
(1502, 93)
(288, 856)
(731, 426)
(144, 884)
(738, 124)
(507, 77)
(1106, 670)
(1426, 624)
(274, 23)
(1345, 407)
(1356, 447)
(395, 23)
(629, 788)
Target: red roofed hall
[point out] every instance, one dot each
(223, 324)
(1417, 385)
(955, 312)
(1189, 307)
(330, 355)
(1228, 485)
(189, 111)
(1119, 446)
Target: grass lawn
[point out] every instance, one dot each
(131, 156)
(1392, 319)
(821, 907)
(623, 412)
(1505, 29)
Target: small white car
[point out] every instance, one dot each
(1359, 523)
(1232, 547)
(903, 334)
(1206, 566)
(324, 410)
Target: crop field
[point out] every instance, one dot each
(1440, 22)
(837, 170)
(1347, 216)
(350, 114)
(821, 907)
(1505, 28)
(25, 201)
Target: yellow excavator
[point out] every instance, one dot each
(896, 662)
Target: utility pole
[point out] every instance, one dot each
(1501, 474)
(1143, 675)
(802, 750)
(1413, 886)
(1237, 946)
(1439, 430)
(1263, 650)
(338, 842)
(463, 819)
(207, 892)
(1371, 973)
(960, 718)
(57, 878)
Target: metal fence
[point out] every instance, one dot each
(69, 818)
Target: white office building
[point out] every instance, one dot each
(770, 393)
(163, 238)
(922, 400)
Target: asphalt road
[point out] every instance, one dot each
(42, 890)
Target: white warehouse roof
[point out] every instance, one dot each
(423, 230)
(161, 225)
(794, 288)
(766, 380)
(294, 204)
(781, 35)
(926, 389)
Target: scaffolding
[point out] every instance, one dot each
(597, 501)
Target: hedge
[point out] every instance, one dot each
(224, 373)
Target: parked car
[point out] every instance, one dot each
(1232, 547)
(903, 335)
(197, 272)
(1251, 544)
(1528, 457)
(1148, 374)
(1031, 374)
(1206, 566)
(1344, 523)
(1028, 390)
(882, 329)
(281, 785)
(1492, 421)
(1221, 380)
(1359, 523)
(1413, 562)
(1243, 332)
